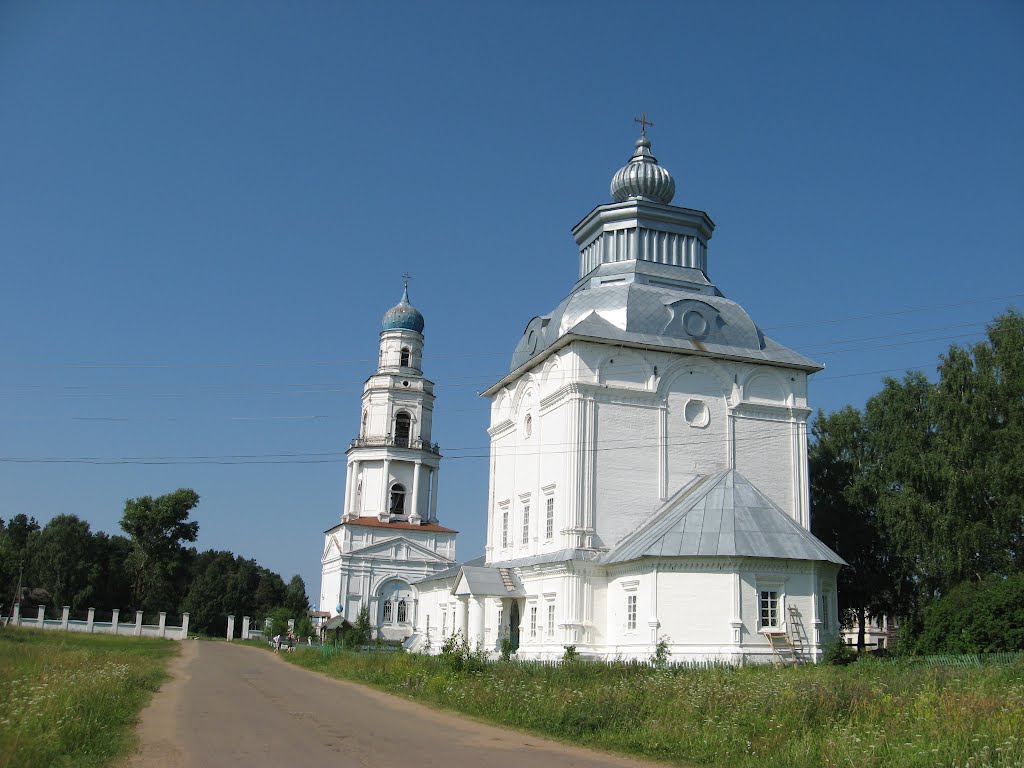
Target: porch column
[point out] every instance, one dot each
(476, 622)
(461, 611)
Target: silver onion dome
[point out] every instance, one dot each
(642, 178)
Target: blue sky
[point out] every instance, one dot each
(205, 208)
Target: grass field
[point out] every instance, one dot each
(865, 715)
(70, 699)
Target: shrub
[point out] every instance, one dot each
(838, 654)
(570, 655)
(661, 652)
(975, 617)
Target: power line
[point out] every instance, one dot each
(630, 443)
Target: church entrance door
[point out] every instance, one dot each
(513, 626)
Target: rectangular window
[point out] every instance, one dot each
(533, 621)
(444, 623)
(551, 620)
(826, 613)
(504, 528)
(630, 612)
(501, 618)
(526, 524)
(770, 609)
(549, 525)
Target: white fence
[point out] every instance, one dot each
(113, 627)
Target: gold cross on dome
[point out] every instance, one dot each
(644, 122)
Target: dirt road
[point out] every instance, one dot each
(231, 705)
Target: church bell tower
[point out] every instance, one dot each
(392, 463)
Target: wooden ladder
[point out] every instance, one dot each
(797, 635)
(782, 647)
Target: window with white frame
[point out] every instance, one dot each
(526, 524)
(501, 618)
(631, 613)
(403, 612)
(387, 611)
(504, 528)
(551, 620)
(826, 611)
(549, 522)
(769, 605)
(533, 621)
(444, 622)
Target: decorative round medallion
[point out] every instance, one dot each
(695, 324)
(696, 413)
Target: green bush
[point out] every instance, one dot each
(838, 654)
(976, 617)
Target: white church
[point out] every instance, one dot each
(648, 474)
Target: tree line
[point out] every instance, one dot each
(922, 492)
(150, 569)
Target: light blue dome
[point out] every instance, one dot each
(403, 317)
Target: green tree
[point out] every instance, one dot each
(843, 515)
(363, 629)
(158, 563)
(14, 536)
(111, 587)
(295, 596)
(62, 561)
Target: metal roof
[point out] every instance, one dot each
(489, 581)
(721, 515)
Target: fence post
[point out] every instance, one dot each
(64, 616)
(16, 615)
(41, 616)
(163, 623)
(231, 628)
(184, 626)
(91, 620)
(114, 619)
(138, 623)
(245, 627)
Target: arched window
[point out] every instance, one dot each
(397, 499)
(388, 606)
(365, 416)
(401, 612)
(403, 425)
(403, 357)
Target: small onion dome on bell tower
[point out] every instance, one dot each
(642, 178)
(404, 316)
